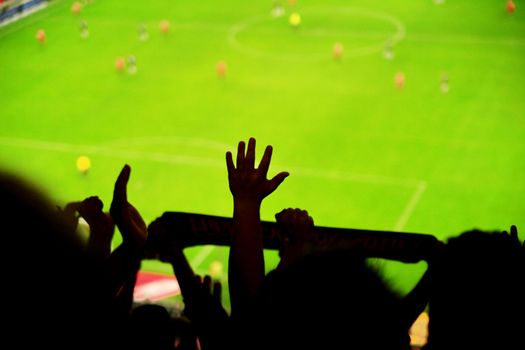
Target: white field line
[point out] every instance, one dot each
(456, 39)
(313, 57)
(411, 205)
(353, 177)
(465, 39)
(198, 161)
(111, 152)
(203, 254)
(166, 141)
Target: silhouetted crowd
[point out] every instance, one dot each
(61, 293)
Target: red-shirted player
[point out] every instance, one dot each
(511, 7)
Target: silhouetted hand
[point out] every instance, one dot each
(204, 308)
(297, 224)
(512, 237)
(247, 182)
(300, 237)
(101, 226)
(128, 220)
(69, 215)
(206, 297)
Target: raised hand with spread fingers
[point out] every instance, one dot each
(249, 186)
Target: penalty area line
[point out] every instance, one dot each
(410, 206)
(201, 161)
(205, 251)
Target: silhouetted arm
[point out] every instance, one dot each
(202, 298)
(124, 262)
(204, 308)
(169, 250)
(415, 302)
(249, 186)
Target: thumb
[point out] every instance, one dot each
(277, 180)
(120, 191)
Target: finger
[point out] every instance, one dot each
(277, 180)
(120, 194)
(240, 155)
(514, 233)
(285, 215)
(198, 280)
(206, 283)
(279, 216)
(217, 291)
(265, 161)
(229, 162)
(250, 154)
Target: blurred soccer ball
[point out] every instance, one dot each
(295, 19)
(83, 164)
(216, 269)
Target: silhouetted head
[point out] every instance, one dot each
(477, 293)
(331, 300)
(51, 291)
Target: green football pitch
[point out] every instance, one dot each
(362, 152)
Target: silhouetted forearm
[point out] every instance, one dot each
(246, 260)
(415, 302)
(183, 271)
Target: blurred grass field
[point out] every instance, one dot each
(361, 153)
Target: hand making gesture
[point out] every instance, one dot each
(247, 182)
(128, 220)
(249, 186)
